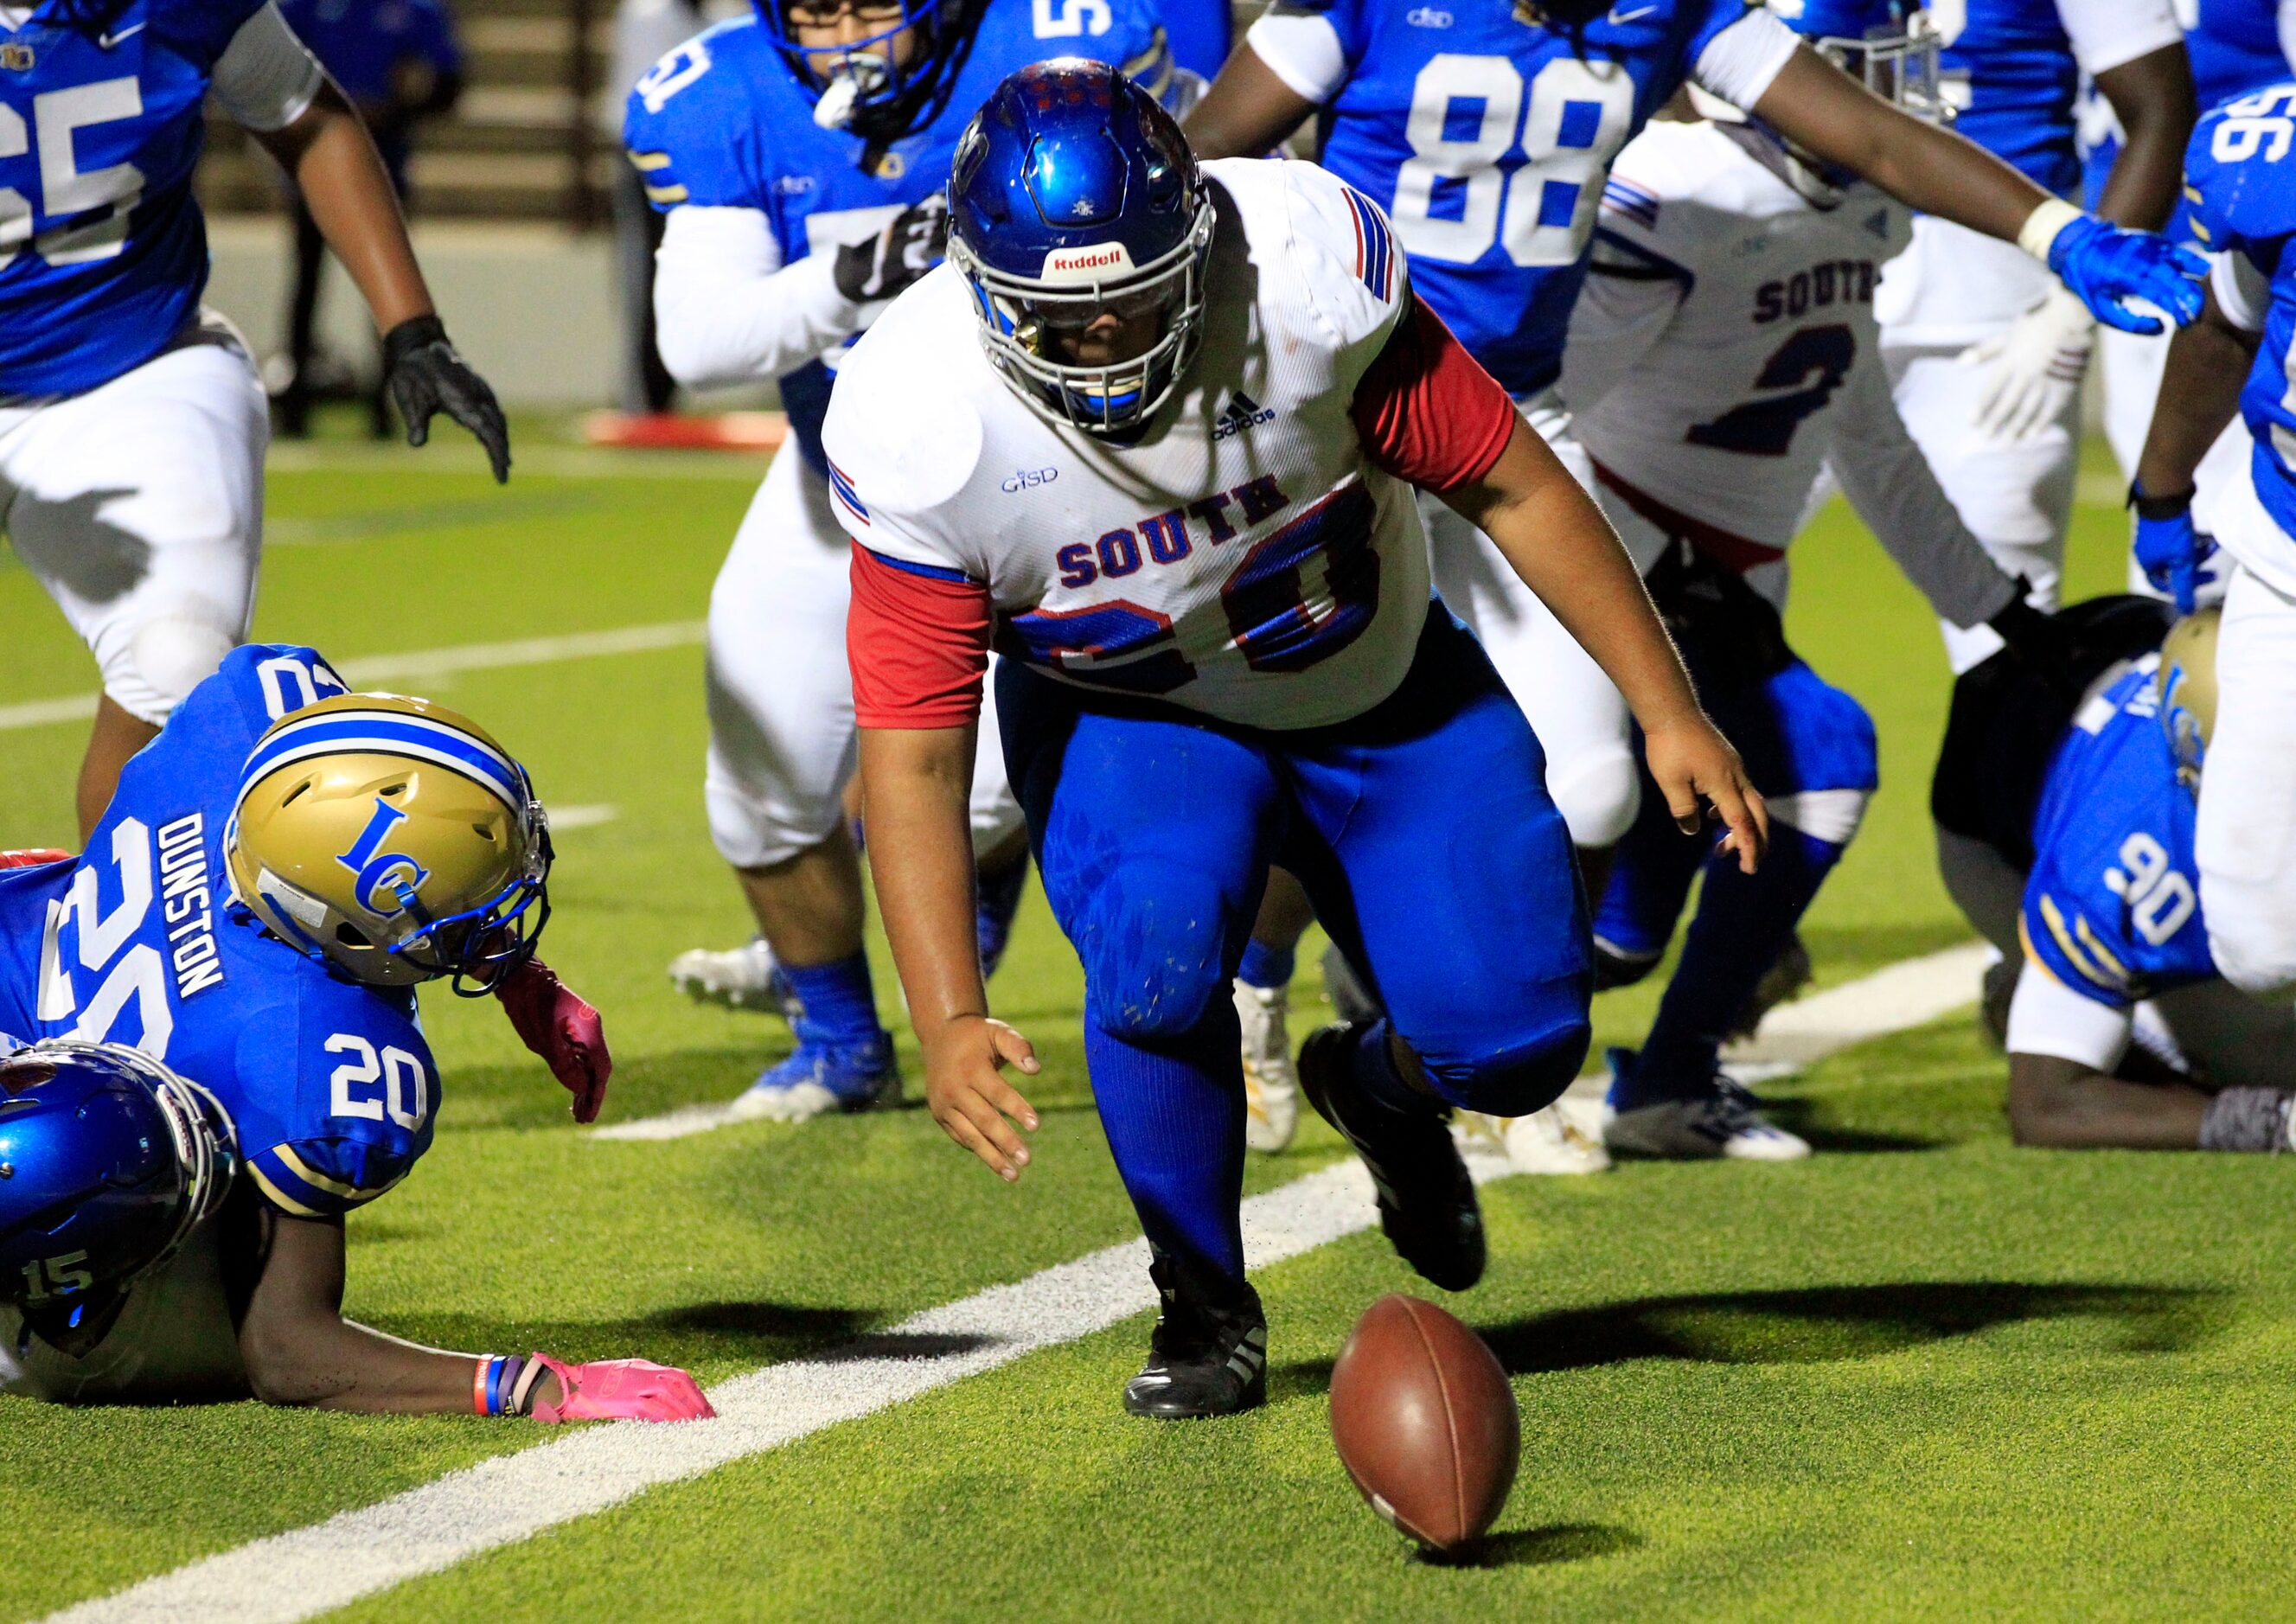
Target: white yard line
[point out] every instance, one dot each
(419, 665)
(555, 462)
(309, 1570)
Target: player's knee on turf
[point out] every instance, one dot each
(1154, 946)
(163, 660)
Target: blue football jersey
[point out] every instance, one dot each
(138, 941)
(2240, 198)
(1488, 141)
(722, 121)
(2009, 70)
(2112, 907)
(103, 254)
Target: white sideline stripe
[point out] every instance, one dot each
(293, 1576)
(420, 664)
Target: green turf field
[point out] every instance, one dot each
(1921, 1374)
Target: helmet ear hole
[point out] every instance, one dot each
(350, 937)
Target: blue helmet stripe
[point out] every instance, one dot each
(390, 734)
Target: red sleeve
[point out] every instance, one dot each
(918, 641)
(1427, 411)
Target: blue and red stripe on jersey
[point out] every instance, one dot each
(1374, 244)
(842, 483)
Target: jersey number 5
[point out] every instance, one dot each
(67, 191)
(1468, 114)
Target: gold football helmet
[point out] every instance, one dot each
(2187, 685)
(391, 838)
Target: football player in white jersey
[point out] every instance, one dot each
(1986, 351)
(1486, 131)
(798, 153)
(132, 425)
(1723, 350)
(1220, 651)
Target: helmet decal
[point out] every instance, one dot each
(387, 880)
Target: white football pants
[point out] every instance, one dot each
(138, 506)
(2245, 841)
(2016, 497)
(783, 744)
(1581, 720)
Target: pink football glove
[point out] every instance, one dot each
(32, 856)
(622, 1390)
(559, 1024)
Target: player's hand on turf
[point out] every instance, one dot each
(618, 1390)
(1697, 768)
(2171, 552)
(2107, 266)
(2036, 367)
(886, 264)
(427, 376)
(964, 1085)
(560, 1025)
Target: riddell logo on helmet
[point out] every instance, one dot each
(1085, 264)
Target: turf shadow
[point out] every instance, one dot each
(1800, 1114)
(1817, 1325)
(1536, 1547)
(747, 1333)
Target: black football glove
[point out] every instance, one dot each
(2035, 641)
(427, 376)
(888, 262)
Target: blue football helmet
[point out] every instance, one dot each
(864, 86)
(1890, 45)
(2186, 684)
(1075, 196)
(108, 1161)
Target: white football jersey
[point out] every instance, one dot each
(1243, 559)
(1725, 349)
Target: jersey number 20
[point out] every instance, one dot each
(1468, 113)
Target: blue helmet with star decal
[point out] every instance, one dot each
(1076, 211)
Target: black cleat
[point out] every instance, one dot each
(1202, 1360)
(1427, 1203)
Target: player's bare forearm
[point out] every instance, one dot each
(298, 1350)
(1555, 538)
(333, 162)
(1246, 112)
(2152, 98)
(918, 785)
(2062, 1104)
(1934, 170)
(2209, 361)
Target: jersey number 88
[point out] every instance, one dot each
(1467, 114)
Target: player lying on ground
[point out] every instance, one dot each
(2070, 848)
(1220, 651)
(132, 425)
(1723, 351)
(1516, 112)
(799, 155)
(2241, 184)
(278, 872)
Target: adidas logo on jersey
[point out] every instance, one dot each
(1241, 413)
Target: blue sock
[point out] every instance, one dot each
(837, 1002)
(1266, 966)
(1373, 1067)
(1743, 923)
(992, 921)
(1173, 1117)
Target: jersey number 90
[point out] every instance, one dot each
(1453, 200)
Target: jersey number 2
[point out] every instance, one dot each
(1468, 113)
(66, 189)
(1812, 363)
(136, 972)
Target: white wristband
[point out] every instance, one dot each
(2042, 225)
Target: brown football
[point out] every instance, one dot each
(1425, 1421)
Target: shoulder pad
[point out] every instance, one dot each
(897, 440)
(690, 117)
(1347, 253)
(2240, 173)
